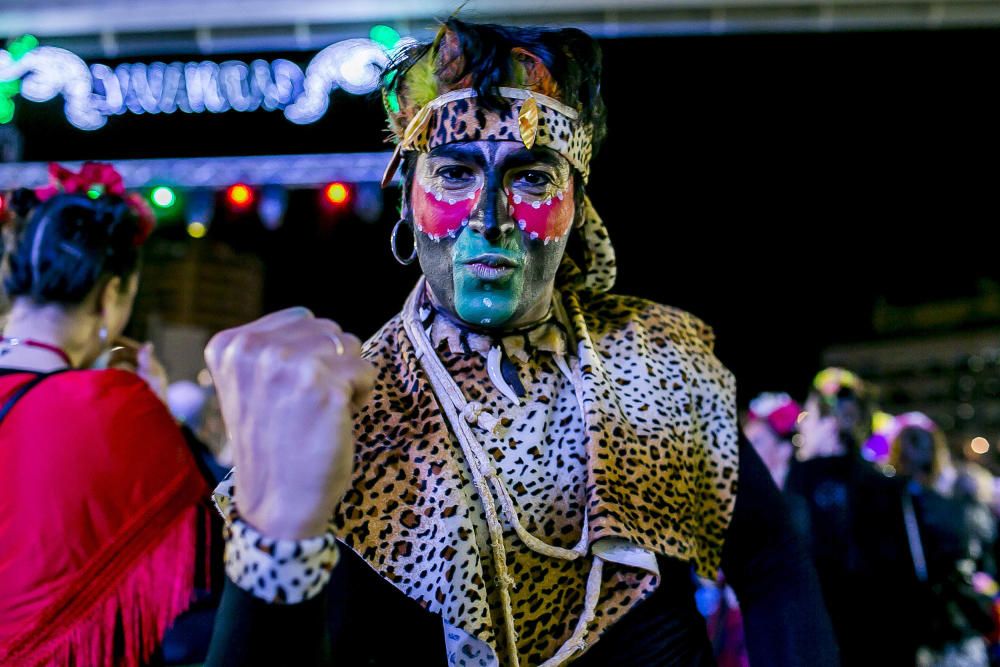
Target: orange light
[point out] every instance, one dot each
(240, 195)
(336, 193)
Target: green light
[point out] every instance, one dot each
(95, 192)
(163, 196)
(384, 35)
(8, 89)
(391, 100)
(6, 110)
(21, 45)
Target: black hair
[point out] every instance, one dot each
(572, 57)
(69, 243)
(915, 437)
(21, 201)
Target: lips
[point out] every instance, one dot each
(491, 266)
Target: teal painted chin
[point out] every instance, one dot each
(484, 304)
(489, 281)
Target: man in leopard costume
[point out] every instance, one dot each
(539, 466)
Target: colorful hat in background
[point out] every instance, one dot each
(886, 428)
(779, 410)
(830, 381)
(909, 420)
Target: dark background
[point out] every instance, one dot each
(775, 185)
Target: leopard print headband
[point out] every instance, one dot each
(532, 118)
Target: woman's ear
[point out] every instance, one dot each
(108, 296)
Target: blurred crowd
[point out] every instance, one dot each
(902, 532)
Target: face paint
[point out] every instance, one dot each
(548, 218)
(488, 278)
(491, 279)
(439, 212)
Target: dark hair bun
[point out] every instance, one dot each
(71, 242)
(21, 202)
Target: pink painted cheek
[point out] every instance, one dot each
(550, 220)
(444, 217)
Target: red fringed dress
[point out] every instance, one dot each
(99, 497)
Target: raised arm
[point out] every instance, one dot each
(288, 385)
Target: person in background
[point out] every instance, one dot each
(951, 617)
(196, 408)
(973, 490)
(99, 512)
(770, 424)
(856, 534)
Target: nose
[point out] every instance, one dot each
(492, 220)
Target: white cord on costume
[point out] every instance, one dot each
(576, 642)
(462, 414)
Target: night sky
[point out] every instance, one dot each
(774, 185)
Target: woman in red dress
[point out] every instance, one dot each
(99, 493)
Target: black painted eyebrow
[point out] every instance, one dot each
(464, 152)
(468, 152)
(524, 156)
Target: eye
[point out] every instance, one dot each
(454, 173)
(532, 179)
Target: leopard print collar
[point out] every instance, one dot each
(549, 336)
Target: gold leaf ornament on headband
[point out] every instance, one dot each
(413, 136)
(527, 122)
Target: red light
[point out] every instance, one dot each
(336, 193)
(240, 195)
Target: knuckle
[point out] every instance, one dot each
(312, 372)
(272, 356)
(215, 347)
(352, 345)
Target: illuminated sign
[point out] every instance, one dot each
(95, 92)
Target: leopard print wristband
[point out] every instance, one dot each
(278, 571)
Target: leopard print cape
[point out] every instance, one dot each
(659, 424)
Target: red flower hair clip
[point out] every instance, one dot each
(5, 214)
(780, 412)
(95, 179)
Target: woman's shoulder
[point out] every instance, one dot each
(99, 392)
(101, 384)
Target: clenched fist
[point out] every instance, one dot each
(288, 386)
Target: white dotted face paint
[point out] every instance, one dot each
(548, 218)
(488, 302)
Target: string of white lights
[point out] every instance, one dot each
(96, 92)
(219, 172)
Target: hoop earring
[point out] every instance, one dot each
(395, 251)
